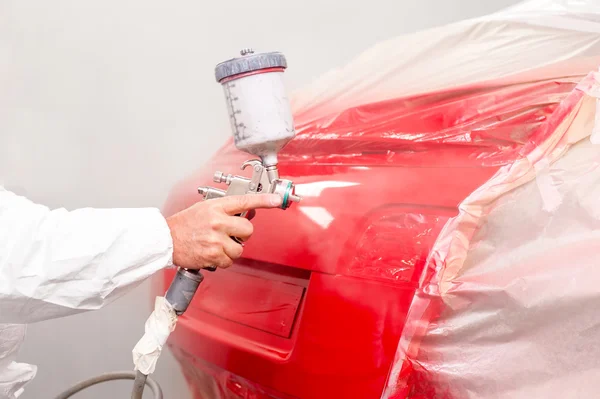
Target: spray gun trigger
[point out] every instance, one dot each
(254, 186)
(254, 163)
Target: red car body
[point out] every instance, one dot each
(316, 307)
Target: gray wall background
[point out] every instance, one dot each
(107, 103)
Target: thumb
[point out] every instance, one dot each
(239, 203)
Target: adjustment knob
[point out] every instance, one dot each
(219, 177)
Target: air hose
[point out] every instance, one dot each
(140, 381)
(178, 296)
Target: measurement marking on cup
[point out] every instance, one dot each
(239, 128)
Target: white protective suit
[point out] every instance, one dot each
(55, 263)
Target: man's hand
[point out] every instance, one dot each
(202, 233)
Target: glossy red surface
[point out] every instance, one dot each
(316, 307)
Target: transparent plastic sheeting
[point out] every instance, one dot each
(482, 86)
(532, 41)
(508, 303)
(507, 306)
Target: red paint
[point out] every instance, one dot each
(244, 74)
(316, 308)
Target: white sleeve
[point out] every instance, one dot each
(55, 263)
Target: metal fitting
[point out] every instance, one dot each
(182, 289)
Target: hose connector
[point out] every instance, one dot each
(182, 289)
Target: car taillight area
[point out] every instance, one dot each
(394, 242)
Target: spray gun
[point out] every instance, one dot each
(262, 124)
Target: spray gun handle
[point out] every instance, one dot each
(247, 215)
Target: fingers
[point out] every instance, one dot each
(223, 262)
(232, 249)
(202, 233)
(239, 227)
(217, 257)
(240, 203)
(229, 252)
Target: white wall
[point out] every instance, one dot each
(107, 103)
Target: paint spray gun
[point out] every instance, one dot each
(262, 124)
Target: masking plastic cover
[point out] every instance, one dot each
(507, 303)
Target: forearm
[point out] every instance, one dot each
(54, 263)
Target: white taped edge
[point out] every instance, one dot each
(414, 319)
(595, 136)
(551, 197)
(158, 327)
